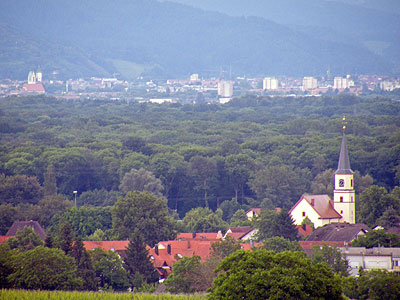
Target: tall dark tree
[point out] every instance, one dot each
(66, 237)
(137, 262)
(84, 265)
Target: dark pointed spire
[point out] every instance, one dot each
(344, 161)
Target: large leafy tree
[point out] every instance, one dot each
(332, 257)
(25, 239)
(374, 201)
(143, 212)
(19, 189)
(202, 219)
(43, 268)
(281, 184)
(109, 269)
(280, 244)
(204, 171)
(238, 167)
(224, 248)
(262, 274)
(191, 275)
(141, 180)
(377, 238)
(373, 285)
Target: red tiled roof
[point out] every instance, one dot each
(304, 230)
(4, 238)
(214, 236)
(33, 88)
(307, 245)
(322, 204)
(106, 245)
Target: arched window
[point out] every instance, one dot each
(341, 182)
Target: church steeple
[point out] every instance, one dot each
(344, 193)
(344, 161)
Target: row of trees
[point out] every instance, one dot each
(260, 151)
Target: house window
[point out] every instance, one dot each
(341, 182)
(304, 213)
(341, 198)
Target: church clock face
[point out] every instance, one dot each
(341, 182)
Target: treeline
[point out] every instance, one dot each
(258, 151)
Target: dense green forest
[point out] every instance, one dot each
(252, 152)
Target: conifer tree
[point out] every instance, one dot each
(137, 262)
(84, 265)
(66, 236)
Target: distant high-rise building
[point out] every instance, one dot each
(310, 83)
(194, 77)
(270, 83)
(225, 89)
(342, 83)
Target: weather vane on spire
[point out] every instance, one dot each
(344, 123)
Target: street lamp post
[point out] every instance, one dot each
(75, 192)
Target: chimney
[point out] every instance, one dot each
(169, 249)
(193, 234)
(312, 201)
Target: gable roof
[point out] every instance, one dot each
(342, 232)
(238, 232)
(256, 211)
(322, 204)
(20, 225)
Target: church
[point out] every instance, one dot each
(321, 209)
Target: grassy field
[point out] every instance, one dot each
(58, 295)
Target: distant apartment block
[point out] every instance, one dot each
(389, 85)
(309, 83)
(225, 89)
(342, 83)
(270, 83)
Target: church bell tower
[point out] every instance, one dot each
(344, 193)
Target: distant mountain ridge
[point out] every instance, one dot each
(163, 39)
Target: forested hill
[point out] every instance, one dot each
(165, 39)
(266, 152)
(372, 24)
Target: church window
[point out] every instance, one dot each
(341, 198)
(351, 198)
(341, 182)
(351, 182)
(341, 212)
(304, 213)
